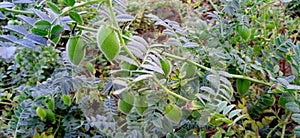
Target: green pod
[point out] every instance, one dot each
(108, 42)
(243, 32)
(51, 104)
(50, 116)
(41, 112)
(75, 49)
(242, 86)
(67, 100)
(166, 66)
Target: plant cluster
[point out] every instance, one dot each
(228, 69)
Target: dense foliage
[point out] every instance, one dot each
(116, 68)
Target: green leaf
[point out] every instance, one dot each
(140, 103)
(228, 108)
(50, 104)
(242, 86)
(70, 2)
(243, 32)
(297, 131)
(293, 107)
(286, 1)
(238, 118)
(128, 66)
(43, 24)
(41, 112)
(195, 105)
(53, 7)
(258, 109)
(225, 120)
(166, 66)
(234, 113)
(75, 50)
(128, 97)
(221, 106)
(189, 69)
(108, 42)
(285, 98)
(230, 133)
(38, 31)
(67, 100)
(90, 67)
(76, 17)
(218, 134)
(267, 100)
(126, 102)
(173, 112)
(278, 88)
(55, 33)
(124, 106)
(41, 27)
(296, 118)
(50, 116)
(217, 120)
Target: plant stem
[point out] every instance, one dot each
(58, 126)
(270, 133)
(221, 23)
(167, 90)
(190, 61)
(115, 24)
(17, 11)
(211, 70)
(7, 103)
(250, 79)
(86, 28)
(214, 6)
(284, 124)
(77, 6)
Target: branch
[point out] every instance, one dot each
(167, 90)
(191, 61)
(7, 103)
(77, 6)
(17, 11)
(115, 24)
(286, 120)
(211, 70)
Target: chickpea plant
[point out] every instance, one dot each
(204, 80)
